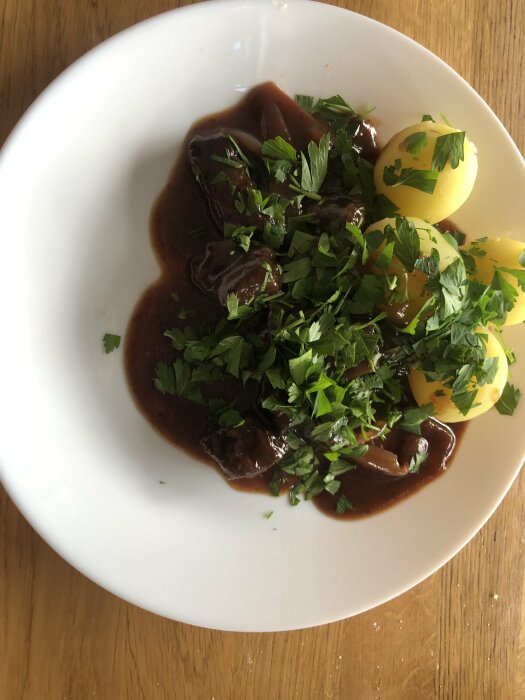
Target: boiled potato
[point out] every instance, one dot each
(453, 185)
(491, 253)
(413, 282)
(425, 392)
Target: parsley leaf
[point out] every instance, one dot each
(344, 505)
(416, 462)
(415, 142)
(424, 180)
(413, 417)
(449, 148)
(279, 149)
(406, 246)
(111, 342)
(164, 378)
(509, 399)
(314, 173)
(464, 400)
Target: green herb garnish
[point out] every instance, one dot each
(416, 142)
(448, 149)
(509, 400)
(111, 342)
(424, 180)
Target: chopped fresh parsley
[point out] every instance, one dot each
(449, 148)
(279, 149)
(416, 462)
(334, 110)
(111, 342)
(344, 505)
(314, 172)
(509, 400)
(424, 180)
(415, 142)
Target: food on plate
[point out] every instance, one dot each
(500, 261)
(489, 384)
(428, 170)
(410, 293)
(305, 335)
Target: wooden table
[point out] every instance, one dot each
(460, 634)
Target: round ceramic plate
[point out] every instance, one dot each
(78, 178)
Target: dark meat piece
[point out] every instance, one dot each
(279, 423)
(339, 210)
(222, 174)
(282, 116)
(206, 269)
(249, 275)
(224, 269)
(244, 451)
(365, 141)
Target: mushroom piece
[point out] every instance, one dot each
(280, 115)
(381, 461)
(393, 456)
(434, 430)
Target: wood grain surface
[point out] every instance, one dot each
(460, 634)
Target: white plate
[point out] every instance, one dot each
(78, 177)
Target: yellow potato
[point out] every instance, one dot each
(500, 252)
(425, 392)
(453, 185)
(413, 282)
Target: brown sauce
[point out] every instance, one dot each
(180, 230)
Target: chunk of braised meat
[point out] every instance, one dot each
(206, 269)
(280, 115)
(279, 422)
(244, 451)
(223, 270)
(222, 174)
(252, 273)
(338, 210)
